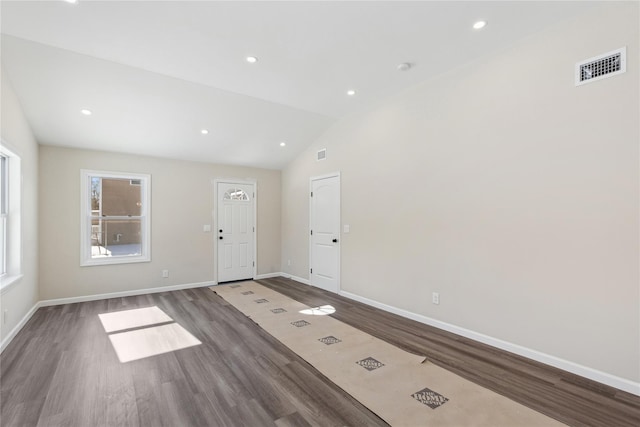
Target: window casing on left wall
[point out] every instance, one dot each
(114, 218)
(10, 217)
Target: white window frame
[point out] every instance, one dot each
(4, 210)
(10, 219)
(86, 259)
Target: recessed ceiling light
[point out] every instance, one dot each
(86, 112)
(252, 59)
(479, 24)
(351, 92)
(282, 144)
(71, 1)
(204, 131)
(404, 66)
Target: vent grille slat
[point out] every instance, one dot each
(602, 66)
(322, 154)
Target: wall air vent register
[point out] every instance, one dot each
(601, 67)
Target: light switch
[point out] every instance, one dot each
(206, 228)
(346, 228)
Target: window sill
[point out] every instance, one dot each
(7, 282)
(114, 260)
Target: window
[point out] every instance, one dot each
(235, 194)
(115, 218)
(4, 210)
(10, 231)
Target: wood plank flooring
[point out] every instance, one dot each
(61, 370)
(566, 397)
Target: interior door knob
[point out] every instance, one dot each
(221, 237)
(335, 240)
(220, 230)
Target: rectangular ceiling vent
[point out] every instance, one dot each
(322, 154)
(601, 66)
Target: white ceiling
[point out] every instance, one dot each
(155, 73)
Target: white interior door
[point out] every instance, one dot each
(236, 231)
(324, 263)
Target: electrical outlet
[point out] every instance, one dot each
(165, 273)
(289, 262)
(435, 298)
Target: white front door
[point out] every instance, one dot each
(324, 263)
(236, 231)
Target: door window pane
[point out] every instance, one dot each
(236, 194)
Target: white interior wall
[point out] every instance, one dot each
(499, 185)
(21, 296)
(181, 204)
(505, 188)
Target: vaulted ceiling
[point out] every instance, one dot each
(154, 74)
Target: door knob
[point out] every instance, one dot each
(220, 230)
(335, 240)
(221, 237)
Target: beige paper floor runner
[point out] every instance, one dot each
(400, 387)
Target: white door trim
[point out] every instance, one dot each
(214, 214)
(316, 178)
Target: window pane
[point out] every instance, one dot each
(116, 197)
(4, 210)
(96, 190)
(235, 194)
(116, 237)
(4, 186)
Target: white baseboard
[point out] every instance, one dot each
(96, 297)
(584, 371)
(268, 275)
(59, 301)
(565, 365)
(296, 278)
(11, 335)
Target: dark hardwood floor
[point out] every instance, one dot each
(61, 370)
(561, 395)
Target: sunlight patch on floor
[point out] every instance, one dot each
(152, 336)
(147, 342)
(323, 310)
(129, 319)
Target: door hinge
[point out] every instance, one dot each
(312, 232)
(254, 263)
(254, 229)
(312, 271)
(312, 194)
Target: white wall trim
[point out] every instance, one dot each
(11, 335)
(59, 301)
(268, 275)
(584, 371)
(565, 365)
(7, 282)
(85, 298)
(296, 278)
